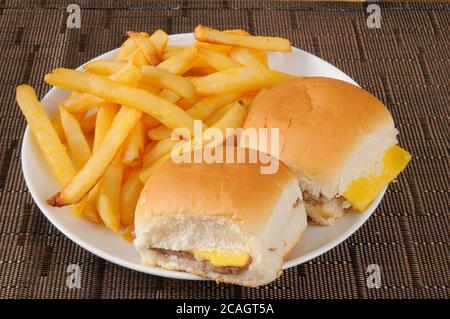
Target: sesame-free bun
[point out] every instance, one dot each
(331, 132)
(220, 207)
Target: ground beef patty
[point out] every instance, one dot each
(207, 266)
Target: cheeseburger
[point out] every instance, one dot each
(339, 139)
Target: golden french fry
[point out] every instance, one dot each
(129, 196)
(138, 58)
(249, 57)
(217, 115)
(134, 146)
(201, 110)
(167, 80)
(162, 110)
(88, 123)
(128, 47)
(91, 172)
(56, 122)
(235, 117)
(210, 35)
(149, 147)
(104, 119)
(225, 49)
(185, 103)
(218, 60)
(159, 38)
(181, 62)
(42, 129)
(148, 87)
(78, 144)
(200, 71)
(128, 74)
(128, 233)
(161, 148)
(238, 32)
(47, 140)
(108, 200)
(239, 79)
(104, 67)
(149, 121)
(80, 103)
(169, 95)
(147, 47)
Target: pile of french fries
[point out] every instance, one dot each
(114, 130)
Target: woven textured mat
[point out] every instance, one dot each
(405, 63)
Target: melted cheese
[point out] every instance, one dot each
(222, 259)
(361, 192)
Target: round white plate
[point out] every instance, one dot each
(110, 246)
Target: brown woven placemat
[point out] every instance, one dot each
(405, 63)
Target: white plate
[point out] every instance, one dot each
(110, 246)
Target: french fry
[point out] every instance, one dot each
(42, 129)
(217, 115)
(108, 201)
(186, 103)
(134, 146)
(128, 233)
(104, 119)
(181, 62)
(149, 146)
(162, 110)
(80, 103)
(147, 47)
(47, 140)
(128, 47)
(91, 172)
(149, 88)
(210, 35)
(217, 60)
(238, 32)
(225, 49)
(159, 38)
(249, 57)
(201, 110)
(104, 67)
(138, 58)
(200, 71)
(88, 123)
(161, 148)
(128, 74)
(79, 146)
(169, 95)
(235, 117)
(129, 197)
(167, 80)
(56, 122)
(239, 79)
(149, 121)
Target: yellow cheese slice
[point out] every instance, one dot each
(361, 192)
(223, 258)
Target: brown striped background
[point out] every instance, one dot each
(405, 64)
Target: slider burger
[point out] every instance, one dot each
(223, 221)
(339, 139)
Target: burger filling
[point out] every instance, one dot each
(362, 192)
(231, 263)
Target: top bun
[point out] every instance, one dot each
(331, 132)
(237, 191)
